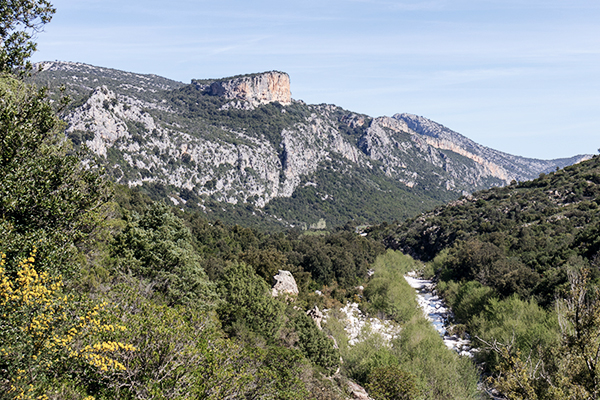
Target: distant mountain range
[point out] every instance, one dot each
(243, 150)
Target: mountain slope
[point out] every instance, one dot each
(522, 238)
(241, 148)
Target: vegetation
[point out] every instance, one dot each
(19, 21)
(107, 293)
(519, 266)
(130, 298)
(414, 365)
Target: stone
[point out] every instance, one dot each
(284, 283)
(316, 316)
(358, 392)
(263, 88)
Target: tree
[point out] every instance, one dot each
(47, 195)
(158, 247)
(248, 310)
(20, 20)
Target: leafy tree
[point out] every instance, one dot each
(158, 247)
(47, 196)
(315, 344)
(19, 21)
(248, 308)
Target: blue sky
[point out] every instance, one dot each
(518, 76)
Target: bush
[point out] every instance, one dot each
(392, 383)
(470, 300)
(388, 292)
(158, 247)
(314, 344)
(441, 373)
(49, 339)
(520, 323)
(248, 309)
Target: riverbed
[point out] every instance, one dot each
(436, 311)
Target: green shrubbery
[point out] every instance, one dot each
(392, 383)
(425, 368)
(388, 293)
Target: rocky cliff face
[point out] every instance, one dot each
(243, 141)
(506, 167)
(255, 89)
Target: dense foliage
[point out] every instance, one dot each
(516, 239)
(106, 293)
(519, 266)
(19, 21)
(46, 195)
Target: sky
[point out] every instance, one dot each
(520, 76)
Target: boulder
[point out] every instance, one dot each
(358, 392)
(284, 284)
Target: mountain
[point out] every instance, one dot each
(241, 148)
(522, 238)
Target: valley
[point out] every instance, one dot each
(162, 221)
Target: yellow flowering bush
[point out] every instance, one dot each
(44, 332)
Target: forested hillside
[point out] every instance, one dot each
(519, 266)
(118, 296)
(111, 291)
(105, 293)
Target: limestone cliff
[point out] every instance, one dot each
(262, 88)
(506, 167)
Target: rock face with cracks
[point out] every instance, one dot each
(256, 89)
(284, 284)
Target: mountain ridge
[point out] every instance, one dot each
(245, 144)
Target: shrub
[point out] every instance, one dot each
(441, 373)
(470, 300)
(392, 383)
(521, 323)
(314, 344)
(387, 291)
(248, 308)
(48, 338)
(158, 247)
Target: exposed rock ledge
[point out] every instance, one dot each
(263, 88)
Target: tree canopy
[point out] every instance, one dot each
(20, 20)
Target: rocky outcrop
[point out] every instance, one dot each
(104, 114)
(284, 284)
(256, 89)
(357, 392)
(495, 163)
(316, 316)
